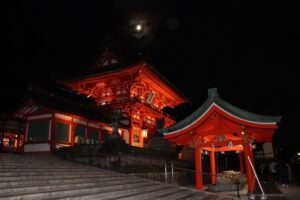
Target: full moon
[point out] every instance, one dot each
(138, 27)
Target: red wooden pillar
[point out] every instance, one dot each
(198, 167)
(249, 172)
(242, 170)
(3, 132)
(212, 167)
(18, 140)
(251, 155)
(53, 133)
(72, 132)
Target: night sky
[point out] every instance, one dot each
(249, 51)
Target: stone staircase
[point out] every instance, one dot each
(49, 177)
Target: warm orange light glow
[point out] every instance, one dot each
(109, 89)
(180, 156)
(145, 133)
(120, 131)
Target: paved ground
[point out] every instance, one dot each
(292, 192)
(274, 192)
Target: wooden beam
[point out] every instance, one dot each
(219, 149)
(221, 144)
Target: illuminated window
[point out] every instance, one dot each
(136, 135)
(150, 120)
(136, 116)
(106, 94)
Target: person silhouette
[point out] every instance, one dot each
(285, 175)
(264, 172)
(273, 170)
(10, 145)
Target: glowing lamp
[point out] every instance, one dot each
(145, 132)
(298, 153)
(120, 131)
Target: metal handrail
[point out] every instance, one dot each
(264, 196)
(167, 173)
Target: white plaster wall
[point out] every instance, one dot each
(36, 147)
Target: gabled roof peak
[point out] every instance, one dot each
(213, 92)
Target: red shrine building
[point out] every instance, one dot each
(78, 110)
(218, 126)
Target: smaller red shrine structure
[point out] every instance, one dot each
(219, 126)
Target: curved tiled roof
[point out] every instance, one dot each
(118, 67)
(214, 98)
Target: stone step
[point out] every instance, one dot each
(36, 165)
(44, 188)
(161, 190)
(46, 164)
(52, 181)
(32, 163)
(209, 197)
(171, 195)
(225, 198)
(183, 194)
(74, 191)
(54, 173)
(153, 194)
(198, 195)
(45, 177)
(61, 163)
(176, 194)
(109, 194)
(32, 158)
(193, 195)
(16, 162)
(44, 169)
(37, 177)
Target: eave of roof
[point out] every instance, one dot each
(119, 68)
(214, 99)
(63, 101)
(164, 79)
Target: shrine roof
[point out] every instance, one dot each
(215, 99)
(118, 68)
(163, 78)
(61, 99)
